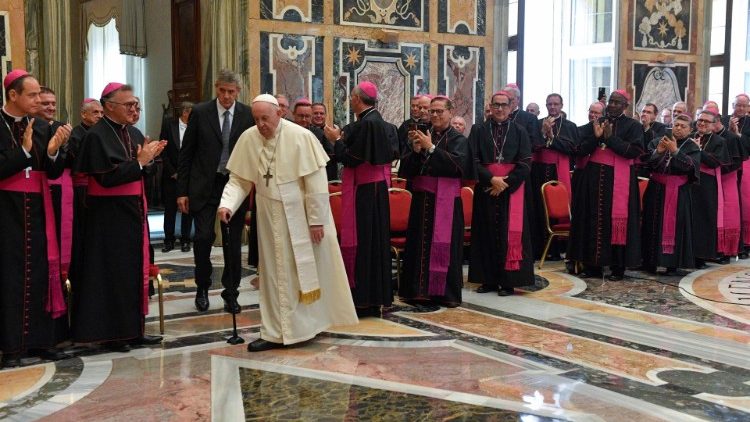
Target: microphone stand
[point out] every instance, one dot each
(234, 339)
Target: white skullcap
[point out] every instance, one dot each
(266, 98)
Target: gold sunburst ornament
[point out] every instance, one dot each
(663, 29)
(411, 61)
(353, 56)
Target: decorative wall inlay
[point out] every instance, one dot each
(292, 10)
(662, 25)
(400, 71)
(292, 65)
(412, 15)
(459, 77)
(462, 16)
(660, 85)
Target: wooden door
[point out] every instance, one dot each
(186, 51)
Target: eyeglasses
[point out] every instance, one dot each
(437, 112)
(704, 121)
(131, 104)
(498, 105)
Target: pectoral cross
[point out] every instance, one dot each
(268, 176)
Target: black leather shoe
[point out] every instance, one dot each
(743, 255)
(669, 271)
(592, 273)
(117, 346)
(168, 246)
(260, 345)
(201, 300)
(553, 258)
(10, 360)
(724, 260)
(486, 288)
(48, 354)
(231, 306)
(700, 264)
(616, 276)
(506, 292)
(185, 246)
(147, 339)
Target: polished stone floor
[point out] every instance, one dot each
(643, 349)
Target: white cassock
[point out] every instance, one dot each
(303, 287)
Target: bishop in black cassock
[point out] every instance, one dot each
(605, 227)
(501, 255)
(364, 147)
(111, 295)
(32, 305)
(433, 256)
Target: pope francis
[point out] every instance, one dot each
(303, 289)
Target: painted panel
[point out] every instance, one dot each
(310, 11)
(410, 15)
(662, 25)
(462, 16)
(5, 62)
(400, 71)
(660, 85)
(292, 65)
(461, 71)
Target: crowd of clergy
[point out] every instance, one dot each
(76, 256)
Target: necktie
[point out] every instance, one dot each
(226, 127)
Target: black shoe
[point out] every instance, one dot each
(117, 346)
(201, 300)
(48, 354)
(616, 276)
(506, 292)
(168, 246)
(700, 264)
(553, 258)
(486, 288)
(231, 306)
(670, 271)
(743, 255)
(371, 311)
(591, 272)
(147, 339)
(648, 269)
(260, 345)
(185, 246)
(10, 360)
(724, 260)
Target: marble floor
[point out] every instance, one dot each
(647, 348)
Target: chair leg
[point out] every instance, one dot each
(546, 249)
(398, 270)
(160, 285)
(69, 291)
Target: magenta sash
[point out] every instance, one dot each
(672, 185)
(36, 182)
(66, 217)
(745, 197)
(80, 179)
(731, 214)
(514, 256)
(446, 190)
(130, 189)
(620, 191)
(550, 156)
(352, 178)
(720, 228)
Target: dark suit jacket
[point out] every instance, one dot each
(170, 132)
(201, 150)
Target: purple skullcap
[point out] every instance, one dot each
(369, 89)
(623, 93)
(88, 100)
(111, 87)
(304, 101)
(13, 75)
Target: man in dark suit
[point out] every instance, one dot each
(173, 130)
(212, 132)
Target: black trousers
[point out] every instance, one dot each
(169, 194)
(205, 235)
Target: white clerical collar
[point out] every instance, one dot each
(222, 109)
(15, 118)
(182, 125)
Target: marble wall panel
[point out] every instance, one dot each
(400, 71)
(662, 25)
(459, 77)
(292, 65)
(310, 11)
(5, 62)
(410, 15)
(660, 85)
(462, 16)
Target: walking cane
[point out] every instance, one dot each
(234, 339)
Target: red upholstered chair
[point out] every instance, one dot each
(334, 186)
(642, 184)
(398, 183)
(400, 203)
(556, 199)
(335, 201)
(467, 200)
